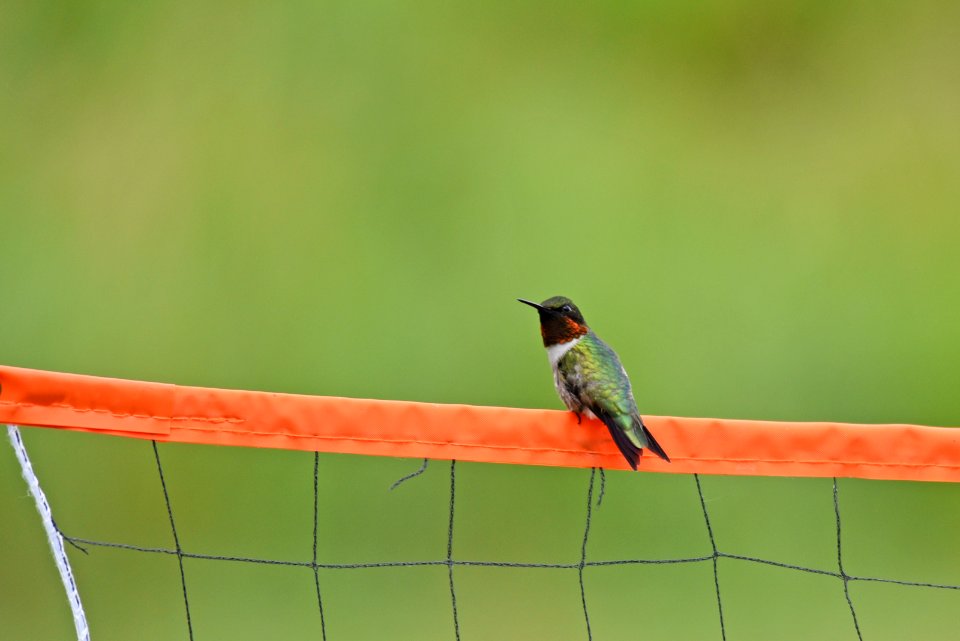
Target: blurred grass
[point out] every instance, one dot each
(756, 204)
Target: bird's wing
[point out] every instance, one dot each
(609, 396)
(604, 380)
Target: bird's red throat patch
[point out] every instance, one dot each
(561, 330)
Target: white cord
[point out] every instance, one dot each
(53, 536)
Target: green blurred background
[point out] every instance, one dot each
(755, 202)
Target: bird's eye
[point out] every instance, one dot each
(567, 308)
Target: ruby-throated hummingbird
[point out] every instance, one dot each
(590, 379)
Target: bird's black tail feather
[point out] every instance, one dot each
(627, 447)
(630, 451)
(652, 444)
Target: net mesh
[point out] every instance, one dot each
(576, 569)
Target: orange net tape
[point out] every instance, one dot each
(173, 413)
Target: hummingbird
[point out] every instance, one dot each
(590, 379)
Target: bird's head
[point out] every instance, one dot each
(560, 320)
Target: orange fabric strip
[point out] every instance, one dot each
(469, 433)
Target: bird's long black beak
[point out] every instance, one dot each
(532, 304)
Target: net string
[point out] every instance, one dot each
(583, 554)
(451, 563)
(176, 539)
(843, 575)
(714, 556)
(54, 536)
(316, 527)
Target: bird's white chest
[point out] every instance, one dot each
(556, 352)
